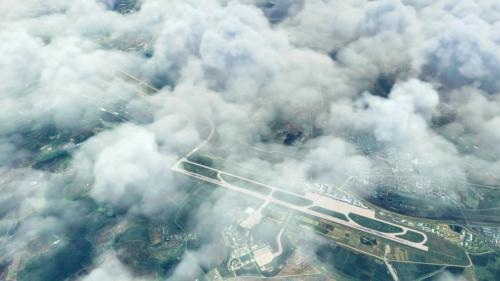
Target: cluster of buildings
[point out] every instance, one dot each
(245, 252)
(469, 240)
(127, 6)
(163, 235)
(326, 190)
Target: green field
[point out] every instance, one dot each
(487, 266)
(292, 199)
(412, 236)
(440, 251)
(58, 264)
(200, 170)
(52, 161)
(490, 198)
(374, 224)
(329, 213)
(185, 214)
(414, 271)
(352, 265)
(203, 159)
(246, 184)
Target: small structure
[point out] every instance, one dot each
(263, 256)
(253, 219)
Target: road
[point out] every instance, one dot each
(392, 270)
(279, 239)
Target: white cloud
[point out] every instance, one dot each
(311, 64)
(110, 268)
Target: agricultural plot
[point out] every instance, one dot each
(352, 264)
(441, 252)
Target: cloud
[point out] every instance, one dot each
(36, 212)
(466, 54)
(415, 80)
(447, 276)
(110, 268)
(129, 171)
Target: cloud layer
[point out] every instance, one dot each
(416, 80)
